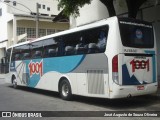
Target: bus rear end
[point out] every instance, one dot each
(134, 67)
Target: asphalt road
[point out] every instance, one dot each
(27, 99)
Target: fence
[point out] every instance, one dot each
(4, 68)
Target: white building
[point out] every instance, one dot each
(18, 24)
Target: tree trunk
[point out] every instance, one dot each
(133, 7)
(109, 5)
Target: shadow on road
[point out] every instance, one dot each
(115, 104)
(38, 91)
(121, 104)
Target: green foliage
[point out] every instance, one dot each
(71, 7)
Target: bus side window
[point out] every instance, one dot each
(25, 52)
(96, 39)
(26, 56)
(102, 39)
(17, 56)
(92, 48)
(72, 44)
(37, 54)
(37, 48)
(52, 52)
(81, 47)
(91, 37)
(50, 48)
(69, 50)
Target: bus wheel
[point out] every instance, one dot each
(65, 90)
(14, 83)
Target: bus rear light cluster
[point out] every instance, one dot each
(115, 69)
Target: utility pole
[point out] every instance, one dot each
(37, 19)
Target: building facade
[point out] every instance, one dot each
(22, 20)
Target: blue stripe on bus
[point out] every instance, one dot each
(62, 64)
(153, 64)
(126, 79)
(58, 64)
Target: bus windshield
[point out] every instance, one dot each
(138, 34)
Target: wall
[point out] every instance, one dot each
(157, 29)
(2, 51)
(151, 14)
(96, 11)
(10, 32)
(91, 13)
(31, 4)
(3, 22)
(42, 24)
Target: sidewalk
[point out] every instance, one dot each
(2, 76)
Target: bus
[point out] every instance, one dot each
(110, 58)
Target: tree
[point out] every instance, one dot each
(133, 7)
(110, 7)
(71, 7)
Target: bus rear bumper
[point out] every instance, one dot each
(132, 90)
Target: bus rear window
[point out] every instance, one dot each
(136, 34)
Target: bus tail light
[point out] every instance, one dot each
(115, 69)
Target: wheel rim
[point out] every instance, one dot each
(65, 89)
(14, 83)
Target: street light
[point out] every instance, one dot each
(36, 16)
(15, 3)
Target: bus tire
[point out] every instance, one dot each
(14, 83)
(65, 90)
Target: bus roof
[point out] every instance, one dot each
(91, 25)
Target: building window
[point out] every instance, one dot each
(42, 32)
(31, 33)
(0, 11)
(39, 6)
(44, 6)
(50, 31)
(20, 31)
(48, 9)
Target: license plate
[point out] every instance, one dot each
(140, 87)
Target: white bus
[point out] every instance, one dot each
(111, 58)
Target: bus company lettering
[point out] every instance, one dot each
(36, 68)
(130, 50)
(137, 64)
